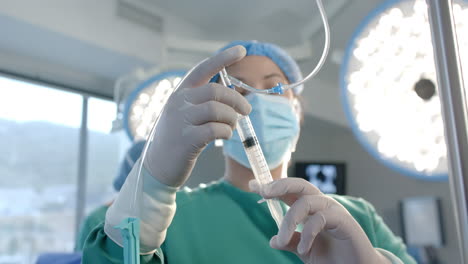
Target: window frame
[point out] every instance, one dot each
(83, 141)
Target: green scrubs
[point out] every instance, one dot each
(90, 222)
(220, 223)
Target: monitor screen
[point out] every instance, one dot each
(329, 177)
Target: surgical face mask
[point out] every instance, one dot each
(276, 125)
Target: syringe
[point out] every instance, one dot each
(255, 155)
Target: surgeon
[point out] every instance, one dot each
(97, 216)
(223, 222)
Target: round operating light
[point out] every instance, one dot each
(146, 102)
(389, 87)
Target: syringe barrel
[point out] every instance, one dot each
(253, 150)
(255, 155)
(258, 163)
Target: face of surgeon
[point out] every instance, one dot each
(259, 72)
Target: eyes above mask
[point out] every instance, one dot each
(275, 121)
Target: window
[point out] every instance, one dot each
(105, 150)
(39, 159)
(39, 138)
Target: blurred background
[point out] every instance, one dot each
(72, 72)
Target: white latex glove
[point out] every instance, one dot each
(330, 234)
(196, 114)
(155, 208)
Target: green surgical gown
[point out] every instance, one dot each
(220, 223)
(89, 223)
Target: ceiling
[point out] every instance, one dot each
(283, 22)
(87, 44)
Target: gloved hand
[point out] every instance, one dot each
(330, 234)
(196, 114)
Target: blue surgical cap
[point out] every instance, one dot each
(279, 56)
(133, 154)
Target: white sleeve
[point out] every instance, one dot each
(390, 256)
(155, 204)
